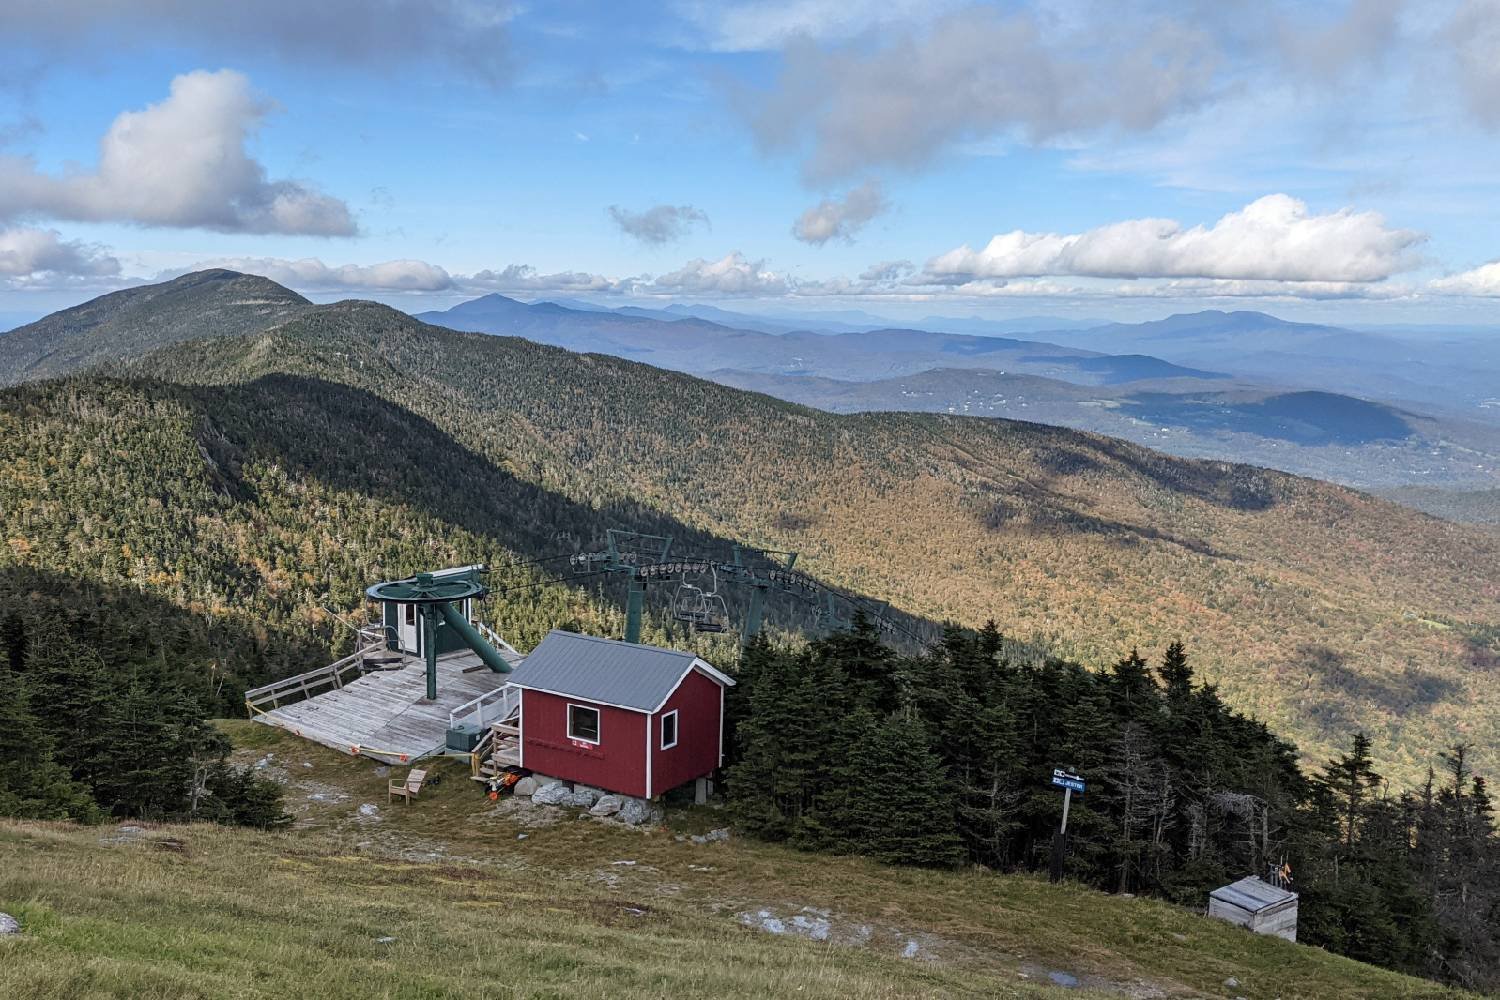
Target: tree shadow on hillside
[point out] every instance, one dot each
(353, 440)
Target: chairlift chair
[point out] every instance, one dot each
(715, 611)
(688, 604)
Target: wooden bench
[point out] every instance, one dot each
(407, 788)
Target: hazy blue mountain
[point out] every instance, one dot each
(982, 327)
(1458, 375)
(694, 344)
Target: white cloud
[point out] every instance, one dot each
(523, 278)
(1274, 238)
(314, 275)
(179, 163)
(660, 224)
(1475, 36)
(886, 271)
(974, 74)
(1480, 281)
(26, 254)
(470, 36)
(733, 274)
(841, 218)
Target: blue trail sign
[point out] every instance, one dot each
(1069, 783)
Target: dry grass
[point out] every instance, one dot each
(476, 912)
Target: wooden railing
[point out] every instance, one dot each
(315, 681)
(492, 706)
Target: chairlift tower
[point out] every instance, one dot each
(647, 558)
(630, 553)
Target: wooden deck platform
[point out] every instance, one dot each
(385, 714)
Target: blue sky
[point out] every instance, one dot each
(1329, 161)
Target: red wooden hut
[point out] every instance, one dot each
(632, 719)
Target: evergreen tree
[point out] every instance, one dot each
(894, 804)
(1176, 674)
(32, 784)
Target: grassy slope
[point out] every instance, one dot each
(1318, 608)
(208, 912)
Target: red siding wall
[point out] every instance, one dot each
(617, 764)
(697, 751)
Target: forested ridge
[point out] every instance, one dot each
(1315, 607)
(943, 758)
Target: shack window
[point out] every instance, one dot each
(669, 730)
(583, 723)
(411, 613)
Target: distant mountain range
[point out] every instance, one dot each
(1240, 386)
(693, 343)
(1166, 383)
(1456, 374)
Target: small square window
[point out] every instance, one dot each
(583, 723)
(669, 730)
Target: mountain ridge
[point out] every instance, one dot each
(141, 318)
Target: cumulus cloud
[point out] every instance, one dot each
(1274, 238)
(313, 275)
(469, 35)
(180, 163)
(1481, 281)
(972, 74)
(732, 274)
(523, 278)
(26, 253)
(660, 224)
(841, 218)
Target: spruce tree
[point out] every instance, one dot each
(32, 784)
(1176, 674)
(895, 803)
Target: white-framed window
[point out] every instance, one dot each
(669, 730)
(411, 613)
(583, 723)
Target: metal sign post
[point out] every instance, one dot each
(1069, 783)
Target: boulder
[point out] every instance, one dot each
(722, 833)
(526, 787)
(608, 805)
(9, 924)
(554, 793)
(635, 812)
(585, 796)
